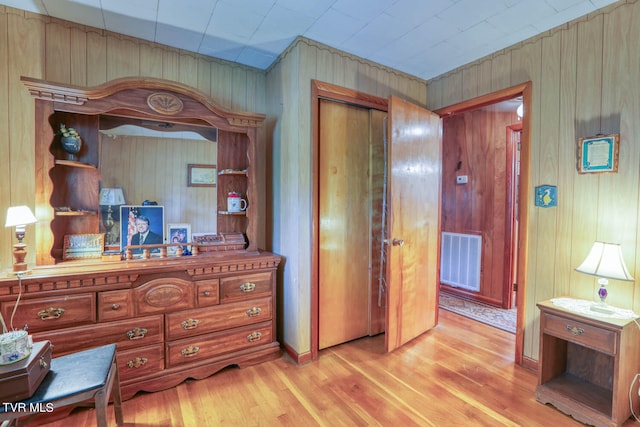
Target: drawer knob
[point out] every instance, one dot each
(254, 311)
(575, 330)
(50, 313)
(254, 336)
(137, 362)
(137, 333)
(248, 287)
(190, 351)
(115, 306)
(206, 293)
(190, 324)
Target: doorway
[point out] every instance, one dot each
(500, 217)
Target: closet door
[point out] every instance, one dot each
(413, 227)
(344, 225)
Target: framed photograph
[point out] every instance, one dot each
(178, 233)
(141, 225)
(598, 153)
(83, 246)
(202, 175)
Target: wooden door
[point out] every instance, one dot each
(344, 227)
(413, 221)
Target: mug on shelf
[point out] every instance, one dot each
(235, 203)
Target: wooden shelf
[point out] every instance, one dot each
(232, 172)
(75, 213)
(74, 164)
(241, 213)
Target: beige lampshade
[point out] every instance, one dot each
(111, 197)
(605, 260)
(19, 215)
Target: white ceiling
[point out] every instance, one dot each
(424, 38)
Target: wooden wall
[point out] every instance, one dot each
(289, 109)
(475, 145)
(585, 81)
(47, 48)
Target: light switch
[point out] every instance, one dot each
(462, 179)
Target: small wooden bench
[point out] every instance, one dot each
(74, 378)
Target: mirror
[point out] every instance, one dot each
(149, 160)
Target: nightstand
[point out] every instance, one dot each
(587, 365)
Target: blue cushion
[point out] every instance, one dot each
(74, 373)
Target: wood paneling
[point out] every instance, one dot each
(584, 76)
(475, 145)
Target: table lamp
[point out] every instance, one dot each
(605, 262)
(110, 197)
(19, 217)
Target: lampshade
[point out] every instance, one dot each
(605, 260)
(111, 197)
(19, 215)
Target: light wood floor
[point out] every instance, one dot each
(459, 374)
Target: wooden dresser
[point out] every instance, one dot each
(171, 319)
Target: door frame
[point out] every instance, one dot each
(525, 90)
(340, 94)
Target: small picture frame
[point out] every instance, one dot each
(598, 154)
(546, 196)
(201, 175)
(132, 222)
(83, 246)
(178, 233)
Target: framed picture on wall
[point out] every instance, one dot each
(141, 225)
(598, 153)
(201, 175)
(178, 233)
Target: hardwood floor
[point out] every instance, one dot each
(461, 373)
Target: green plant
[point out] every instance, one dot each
(68, 132)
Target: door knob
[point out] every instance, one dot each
(397, 242)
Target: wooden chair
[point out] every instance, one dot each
(75, 378)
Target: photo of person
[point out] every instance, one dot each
(142, 225)
(178, 233)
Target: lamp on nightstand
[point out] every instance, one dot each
(19, 217)
(110, 197)
(605, 262)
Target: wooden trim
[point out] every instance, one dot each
(523, 227)
(327, 91)
(77, 95)
(299, 358)
(484, 100)
(510, 230)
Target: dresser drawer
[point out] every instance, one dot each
(246, 286)
(207, 346)
(580, 333)
(195, 322)
(207, 292)
(140, 361)
(114, 305)
(42, 314)
(125, 333)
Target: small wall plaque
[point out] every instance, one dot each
(546, 196)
